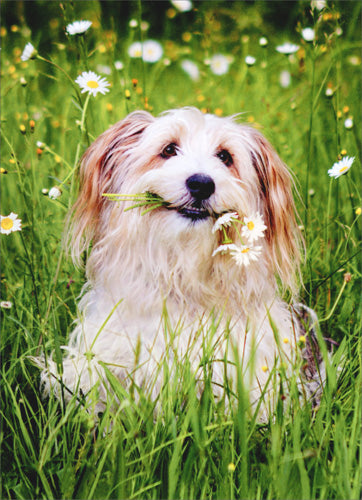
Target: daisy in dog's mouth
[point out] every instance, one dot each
(248, 229)
(151, 201)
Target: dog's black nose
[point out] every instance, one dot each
(200, 186)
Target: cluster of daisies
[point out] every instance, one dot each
(249, 231)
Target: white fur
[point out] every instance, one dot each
(140, 265)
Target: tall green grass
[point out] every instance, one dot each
(194, 447)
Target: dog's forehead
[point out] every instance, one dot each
(193, 128)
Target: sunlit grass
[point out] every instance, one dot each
(194, 447)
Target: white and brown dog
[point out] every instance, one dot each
(203, 167)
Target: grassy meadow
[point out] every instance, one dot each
(308, 104)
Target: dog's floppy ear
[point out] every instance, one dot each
(283, 234)
(102, 158)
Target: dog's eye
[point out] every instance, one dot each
(225, 157)
(169, 150)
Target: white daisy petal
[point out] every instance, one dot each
(348, 123)
(263, 41)
(254, 228)
(227, 247)
(54, 193)
(341, 167)
(92, 83)
(10, 223)
(191, 69)
(308, 34)
(182, 5)
(287, 48)
(6, 304)
(78, 27)
(118, 65)
(224, 221)
(219, 64)
(318, 4)
(245, 254)
(29, 52)
(250, 60)
(152, 51)
(135, 50)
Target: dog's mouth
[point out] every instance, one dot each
(193, 213)
(189, 209)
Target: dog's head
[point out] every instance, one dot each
(202, 166)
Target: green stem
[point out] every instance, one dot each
(309, 157)
(77, 154)
(328, 212)
(335, 303)
(139, 9)
(62, 71)
(104, 324)
(30, 265)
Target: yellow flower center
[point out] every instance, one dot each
(245, 250)
(343, 169)
(250, 225)
(7, 223)
(92, 84)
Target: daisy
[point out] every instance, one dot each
(6, 304)
(348, 123)
(10, 223)
(182, 5)
(318, 4)
(118, 65)
(287, 48)
(254, 228)
(224, 221)
(341, 167)
(152, 51)
(250, 60)
(103, 68)
(245, 254)
(90, 82)
(229, 247)
(78, 27)
(135, 50)
(263, 41)
(133, 23)
(285, 78)
(54, 193)
(191, 69)
(29, 52)
(308, 34)
(219, 64)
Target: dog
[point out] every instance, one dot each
(180, 258)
